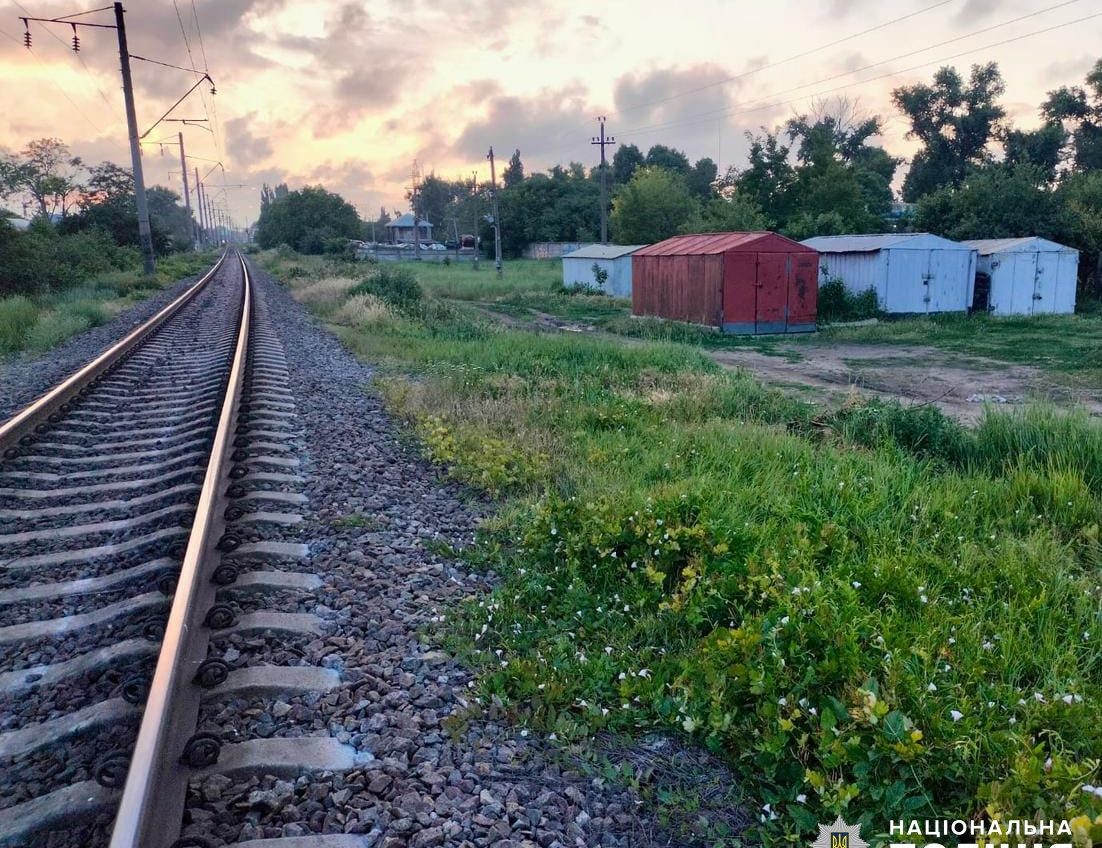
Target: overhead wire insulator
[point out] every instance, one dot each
(76, 40)
(26, 33)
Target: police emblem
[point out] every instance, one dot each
(839, 835)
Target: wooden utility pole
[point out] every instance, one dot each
(145, 233)
(497, 217)
(477, 222)
(602, 140)
(187, 197)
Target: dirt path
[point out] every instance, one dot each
(959, 385)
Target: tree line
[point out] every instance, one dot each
(84, 218)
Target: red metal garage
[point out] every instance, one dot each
(740, 282)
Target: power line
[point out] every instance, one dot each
(779, 62)
(788, 59)
(742, 108)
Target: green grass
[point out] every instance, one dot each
(42, 322)
(1063, 343)
(870, 611)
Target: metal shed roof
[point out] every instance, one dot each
(881, 241)
(1031, 244)
(603, 251)
(708, 243)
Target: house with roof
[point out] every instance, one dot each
(401, 230)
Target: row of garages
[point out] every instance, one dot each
(762, 282)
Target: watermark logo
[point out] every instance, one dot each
(839, 835)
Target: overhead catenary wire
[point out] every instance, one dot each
(741, 110)
(802, 55)
(726, 111)
(779, 62)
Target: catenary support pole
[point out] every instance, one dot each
(145, 233)
(187, 197)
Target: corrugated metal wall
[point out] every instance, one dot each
(859, 272)
(684, 288)
(1031, 282)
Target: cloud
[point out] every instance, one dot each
(241, 144)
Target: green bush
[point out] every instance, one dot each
(17, 316)
(837, 304)
(395, 285)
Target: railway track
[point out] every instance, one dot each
(143, 509)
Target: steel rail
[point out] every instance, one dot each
(24, 423)
(152, 803)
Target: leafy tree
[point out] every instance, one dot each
(954, 121)
(770, 178)
(625, 162)
(1081, 109)
(669, 158)
(1041, 147)
(434, 196)
(306, 220)
(702, 178)
(106, 203)
(655, 205)
(268, 194)
(514, 171)
(840, 172)
(46, 171)
(1081, 197)
(734, 213)
(561, 205)
(997, 201)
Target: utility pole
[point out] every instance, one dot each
(497, 218)
(199, 209)
(187, 197)
(477, 222)
(145, 233)
(603, 141)
(413, 209)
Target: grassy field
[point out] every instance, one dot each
(868, 611)
(40, 322)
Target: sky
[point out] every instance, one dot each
(349, 94)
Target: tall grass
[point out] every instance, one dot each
(17, 315)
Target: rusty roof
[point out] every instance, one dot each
(708, 243)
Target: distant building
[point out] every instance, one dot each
(1025, 276)
(401, 230)
(911, 273)
(613, 259)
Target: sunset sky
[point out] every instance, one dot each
(347, 94)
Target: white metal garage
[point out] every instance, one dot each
(912, 273)
(1027, 276)
(613, 259)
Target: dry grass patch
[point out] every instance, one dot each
(325, 290)
(363, 310)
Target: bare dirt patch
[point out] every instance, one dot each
(961, 386)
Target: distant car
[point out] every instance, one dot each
(436, 246)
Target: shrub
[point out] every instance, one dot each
(362, 310)
(837, 304)
(396, 286)
(17, 315)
